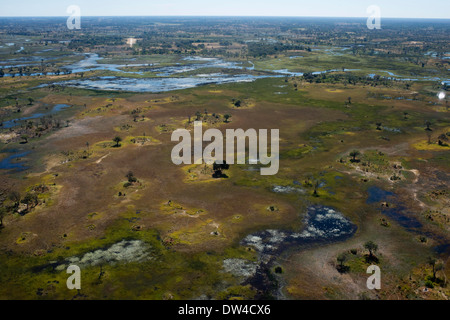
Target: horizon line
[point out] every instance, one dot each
(220, 16)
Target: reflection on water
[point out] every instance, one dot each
(169, 78)
(202, 63)
(90, 63)
(158, 84)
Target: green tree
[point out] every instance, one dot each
(31, 200)
(227, 116)
(432, 262)
(342, 258)
(354, 154)
(439, 267)
(15, 197)
(117, 140)
(130, 176)
(372, 247)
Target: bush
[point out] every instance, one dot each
(131, 177)
(429, 284)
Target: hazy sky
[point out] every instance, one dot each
(323, 8)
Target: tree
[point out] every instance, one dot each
(15, 197)
(316, 188)
(432, 262)
(130, 176)
(31, 100)
(372, 247)
(30, 199)
(3, 213)
(439, 267)
(117, 140)
(278, 270)
(354, 154)
(341, 258)
(218, 167)
(429, 131)
(227, 116)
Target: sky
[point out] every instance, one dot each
(438, 9)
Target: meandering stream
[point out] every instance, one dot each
(177, 77)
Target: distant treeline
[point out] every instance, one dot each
(261, 49)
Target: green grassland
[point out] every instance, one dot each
(191, 223)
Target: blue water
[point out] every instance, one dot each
(399, 213)
(322, 225)
(377, 195)
(8, 163)
(396, 211)
(158, 84)
(171, 77)
(91, 62)
(14, 122)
